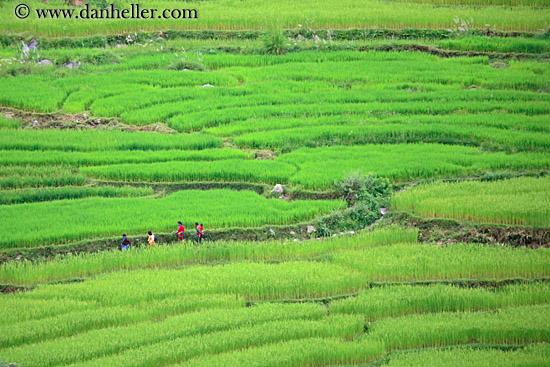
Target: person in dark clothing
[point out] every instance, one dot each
(125, 245)
(200, 231)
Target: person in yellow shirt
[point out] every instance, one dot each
(151, 239)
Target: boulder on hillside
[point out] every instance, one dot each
(32, 45)
(72, 64)
(278, 189)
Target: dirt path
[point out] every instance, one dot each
(80, 121)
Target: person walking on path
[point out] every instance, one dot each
(200, 231)
(181, 231)
(152, 239)
(125, 245)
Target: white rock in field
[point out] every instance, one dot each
(278, 189)
(72, 64)
(292, 233)
(32, 45)
(24, 50)
(44, 62)
(311, 229)
(207, 86)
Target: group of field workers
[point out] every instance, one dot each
(152, 239)
(198, 228)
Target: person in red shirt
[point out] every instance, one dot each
(200, 231)
(181, 231)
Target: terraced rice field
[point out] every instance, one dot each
(372, 176)
(227, 15)
(201, 319)
(516, 201)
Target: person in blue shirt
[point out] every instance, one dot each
(125, 245)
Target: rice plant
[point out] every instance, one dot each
(494, 44)
(222, 170)
(181, 349)
(181, 317)
(514, 325)
(394, 133)
(38, 177)
(319, 167)
(8, 123)
(482, 2)
(479, 121)
(98, 140)
(354, 14)
(69, 192)
(101, 315)
(310, 351)
(273, 86)
(88, 345)
(458, 261)
(536, 355)
(84, 265)
(518, 201)
(97, 158)
(394, 301)
(378, 296)
(64, 221)
(246, 280)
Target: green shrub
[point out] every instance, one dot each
(365, 212)
(181, 64)
(357, 187)
(275, 42)
(189, 61)
(101, 57)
